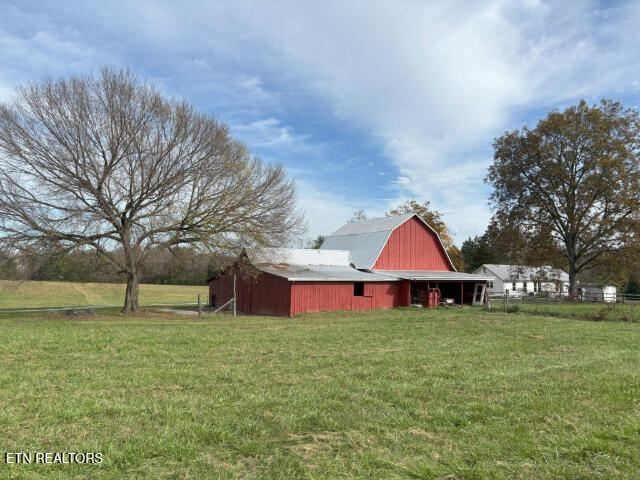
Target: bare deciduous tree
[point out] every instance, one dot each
(107, 162)
(358, 216)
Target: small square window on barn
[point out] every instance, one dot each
(358, 289)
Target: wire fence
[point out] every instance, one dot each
(595, 307)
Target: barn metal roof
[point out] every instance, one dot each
(519, 272)
(382, 224)
(298, 256)
(321, 273)
(366, 239)
(297, 264)
(365, 247)
(418, 275)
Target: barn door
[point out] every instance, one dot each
(478, 294)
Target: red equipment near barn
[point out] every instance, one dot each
(380, 263)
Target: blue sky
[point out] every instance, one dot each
(366, 103)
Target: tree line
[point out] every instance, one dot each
(178, 266)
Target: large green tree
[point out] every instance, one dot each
(476, 252)
(572, 183)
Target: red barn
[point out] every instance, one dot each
(380, 263)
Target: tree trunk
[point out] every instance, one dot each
(572, 280)
(131, 295)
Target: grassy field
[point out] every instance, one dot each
(17, 295)
(599, 311)
(388, 394)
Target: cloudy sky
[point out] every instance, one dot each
(366, 103)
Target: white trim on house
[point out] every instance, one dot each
(524, 280)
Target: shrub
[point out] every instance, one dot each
(628, 317)
(599, 316)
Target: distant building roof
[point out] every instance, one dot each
(298, 264)
(429, 275)
(523, 272)
(366, 239)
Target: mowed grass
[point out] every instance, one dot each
(30, 294)
(629, 311)
(386, 394)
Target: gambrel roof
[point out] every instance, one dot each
(366, 239)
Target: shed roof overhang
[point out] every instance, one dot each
(424, 275)
(322, 273)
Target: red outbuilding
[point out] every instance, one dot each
(380, 263)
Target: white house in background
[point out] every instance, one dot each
(596, 292)
(518, 279)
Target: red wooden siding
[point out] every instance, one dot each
(320, 296)
(404, 294)
(265, 294)
(413, 246)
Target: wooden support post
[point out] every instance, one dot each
(222, 306)
(405, 288)
(428, 295)
(199, 307)
(461, 294)
(234, 294)
(614, 307)
(425, 299)
(485, 300)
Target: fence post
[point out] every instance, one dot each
(234, 294)
(504, 301)
(199, 307)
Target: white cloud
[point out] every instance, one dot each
(435, 84)
(326, 211)
(43, 53)
(432, 83)
(270, 133)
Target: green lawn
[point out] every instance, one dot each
(629, 311)
(388, 394)
(16, 295)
